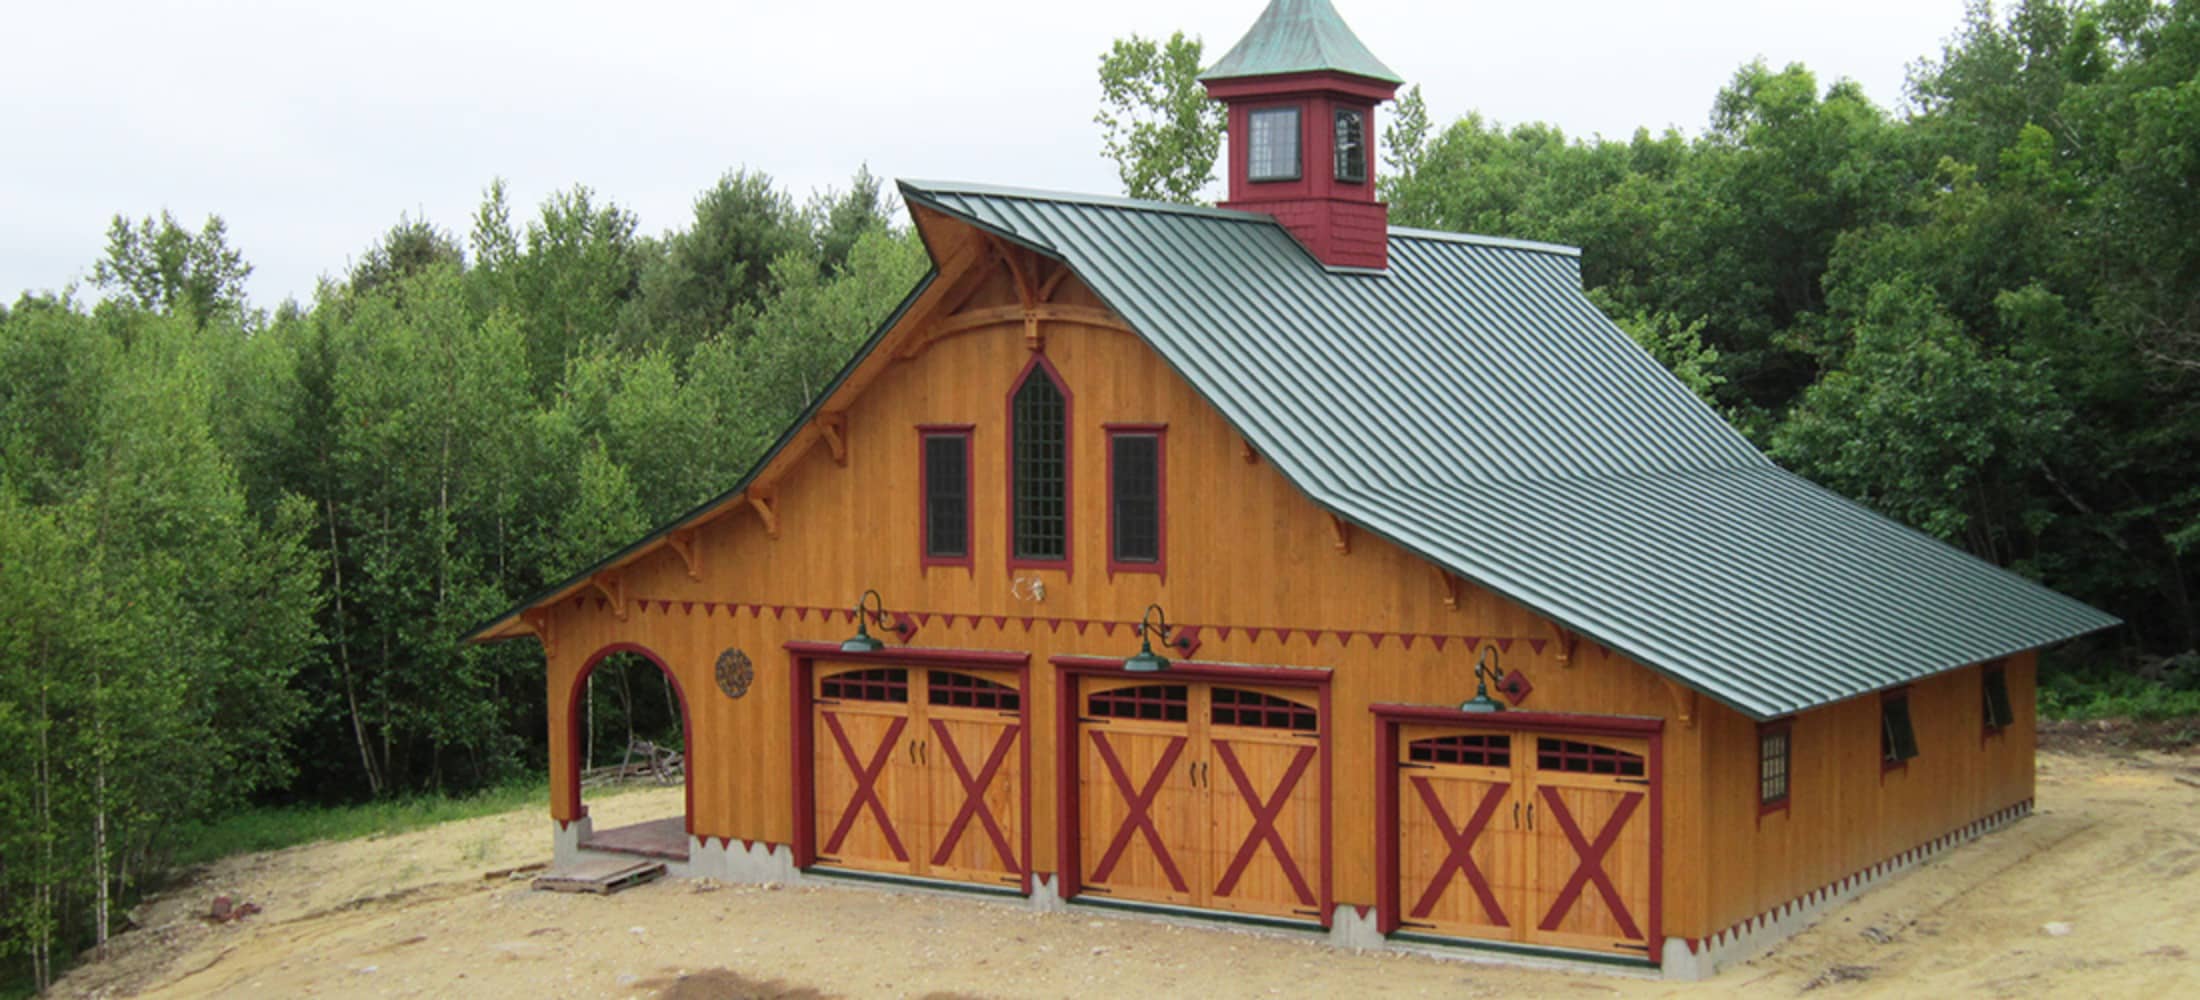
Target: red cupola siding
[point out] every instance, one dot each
(1302, 91)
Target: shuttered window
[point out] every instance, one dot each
(947, 496)
(1272, 148)
(1897, 738)
(1041, 463)
(1999, 714)
(1134, 500)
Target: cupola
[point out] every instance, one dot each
(1301, 91)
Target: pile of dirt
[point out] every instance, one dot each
(2117, 735)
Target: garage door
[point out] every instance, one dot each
(1203, 795)
(919, 772)
(1536, 838)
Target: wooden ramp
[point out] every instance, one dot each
(601, 876)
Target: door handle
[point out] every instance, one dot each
(912, 751)
(1516, 814)
(1531, 815)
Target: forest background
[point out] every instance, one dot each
(238, 547)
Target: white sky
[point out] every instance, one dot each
(310, 127)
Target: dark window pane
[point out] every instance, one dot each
(1772, 766)
(1136, 497)
(946, 495)
(882, 684)
(1272, 149)
(1351, 147)
(1042, 470)
(1998, 711)
(1153, 702)
(960, 690)
(1251, 708)
(1897, 740)
(1474, 751)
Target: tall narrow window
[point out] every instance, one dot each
(1999, 714)
(1774, 741)
(946, 471)
(1134, 498)
(1897, 739)
(1351, 145)
(1272, 145)
(1039, 469)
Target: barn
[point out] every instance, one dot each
(1269, 563)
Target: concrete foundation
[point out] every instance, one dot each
(1046, 893)
(565, 841)
(1352, 927)
(751, 863)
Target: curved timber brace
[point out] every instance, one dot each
(1684, 701)
(613, 588)
(691, 554)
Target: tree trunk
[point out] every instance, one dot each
(343, 655)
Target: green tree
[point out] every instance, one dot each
(161, 266)
(1155, 119)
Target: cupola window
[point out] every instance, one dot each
(1351, 146)
(1272, 144)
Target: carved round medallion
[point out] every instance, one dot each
(735, 673)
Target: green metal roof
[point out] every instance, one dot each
(1472, 406)
(1299, 36)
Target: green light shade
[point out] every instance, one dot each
(1481, 702)
(1146, 661)
(862, 641)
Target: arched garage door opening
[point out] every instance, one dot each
(627, 722)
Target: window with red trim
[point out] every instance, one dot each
(1481, 750)
(1039, 469)
(1233, 707)
(1994, 682)
(880, 684)
(1569, 757)
(1149, 702)
(1134, 499)
(959, 690)
(1897, 737)
(1775, 745)
(946, 472)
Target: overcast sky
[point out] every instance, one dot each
(311, 127)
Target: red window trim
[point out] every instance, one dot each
(925, 559)
(1160, 434)
(1987, 729)
(1785, 727)
(1901, 694)
(1069, 464)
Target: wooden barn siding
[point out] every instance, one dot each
(1245, 549)
(1843, 815)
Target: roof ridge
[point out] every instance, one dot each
(1476, 239)
(1077, 198)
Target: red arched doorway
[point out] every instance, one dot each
(664, 838)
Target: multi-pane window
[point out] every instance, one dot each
(1897, 739)
(1473, 750)
(1998, 712)
(1149, 702)
(1272, 144)
(1585, 758)
(1041, 478)
(1774, 740)
(881, 684)
(1134, 499)
(947, 495)
(1233, 707)
(958, 690)
(1351, 145)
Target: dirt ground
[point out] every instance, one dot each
(2097, 894)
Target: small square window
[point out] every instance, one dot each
(1774, 743)
(1351, 146)
(1998, 713)
(1272, 145)
(1897, 739)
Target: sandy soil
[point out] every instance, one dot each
(2113, 853)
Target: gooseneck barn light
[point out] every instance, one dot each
(1485, 671)
(869, 608)
(1153, 622)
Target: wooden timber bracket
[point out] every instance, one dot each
(1684, 701)
(691, 554)
(612, 586)
(1568, 640)
(1340, 532)
(539, 620)
(833, 427)
(762, 499)
(1450, 586)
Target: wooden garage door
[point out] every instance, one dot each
(1204, 795)
(1534, 838)
(918, 771)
